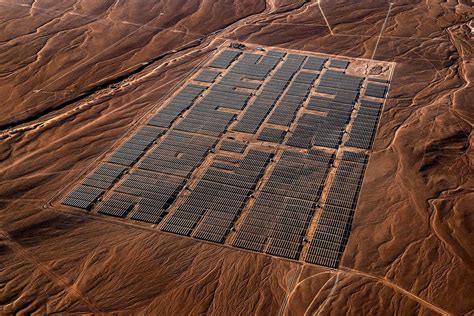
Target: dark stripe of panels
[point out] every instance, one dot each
(277, 222)
(211, 209)
(334, 225)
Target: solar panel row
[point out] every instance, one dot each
(379, 80)
(93, 187)
(237, 80)
(225, 96)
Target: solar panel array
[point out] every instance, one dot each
(208, 76)
(211, 209)
(272, 135)
(365, 125)
(265, 151)
(376, 90)
(334, 225)
(337, 63)
(277, 222)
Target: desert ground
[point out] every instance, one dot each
(76, 76)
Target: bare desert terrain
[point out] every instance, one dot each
(77, 75)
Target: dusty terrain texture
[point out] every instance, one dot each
(75, 76)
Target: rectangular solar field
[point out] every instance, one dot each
(262, 149)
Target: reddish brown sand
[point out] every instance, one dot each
(72, 82)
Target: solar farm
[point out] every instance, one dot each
(262, 149)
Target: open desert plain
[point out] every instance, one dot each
(236, 157)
